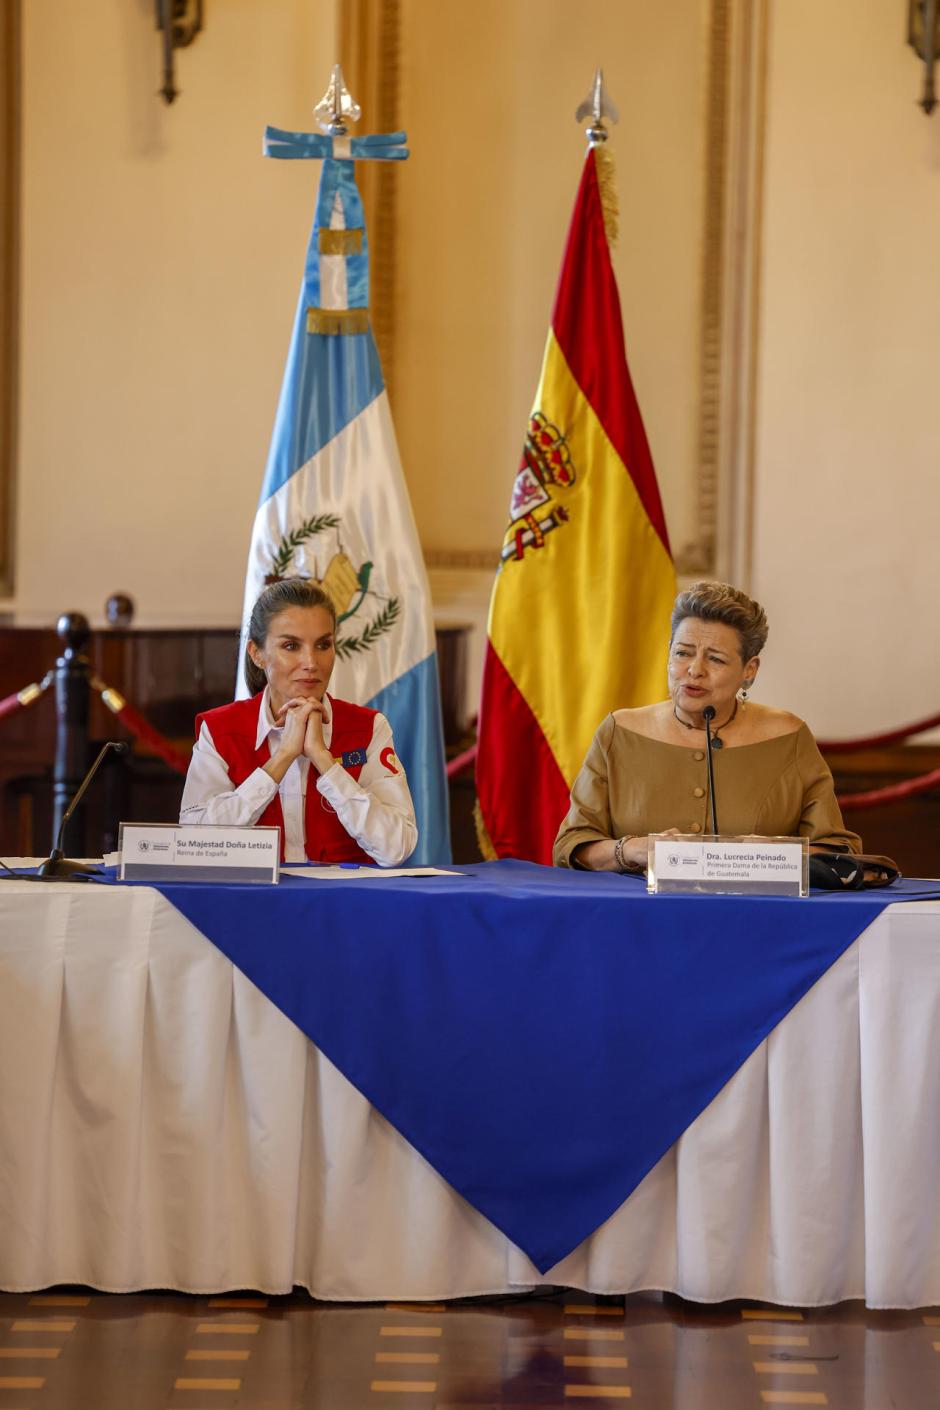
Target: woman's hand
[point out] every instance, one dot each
(314, 745)
(602, 856)
(635, 853)
(293, 716)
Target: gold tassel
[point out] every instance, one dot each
(113, 699)
(340, 242)
(484, 841)
(607, 186)
(333, 321)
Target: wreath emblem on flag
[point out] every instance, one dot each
(546, 466)
(347, 585)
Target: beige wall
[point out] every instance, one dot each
(162, 257)
(848, 490)
(161, 260)
(489, 94)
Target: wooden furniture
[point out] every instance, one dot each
(907, 830)
(169, 675)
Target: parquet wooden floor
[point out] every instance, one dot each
(72, 1349)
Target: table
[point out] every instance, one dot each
(163, 1124)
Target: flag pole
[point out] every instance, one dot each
(597, 105)
(336, 105)
(334, 505)
(585, 574)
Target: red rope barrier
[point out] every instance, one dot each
(891, 793)
(894, 736)
(142, 729)
(874, 798)
(11, 703)
(461, 762)
(20, 699)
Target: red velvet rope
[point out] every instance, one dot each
(874, 798)
(828, 746)
(161, 746)
(846, 746)
(21, 699)
(891, 793)
(10, 704)
(144, 731)
(461, 762)
(140, 728)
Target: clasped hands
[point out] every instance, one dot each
(302, 721)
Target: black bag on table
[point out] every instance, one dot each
(850, 871)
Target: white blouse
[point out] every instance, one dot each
(376, 810)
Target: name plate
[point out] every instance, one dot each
(736, 866)
(191, 852)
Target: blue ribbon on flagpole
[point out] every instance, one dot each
(337, 179)
(376, 147)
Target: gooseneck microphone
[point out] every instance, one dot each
(56, 867)
(708, 714)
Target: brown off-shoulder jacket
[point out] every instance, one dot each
(630, 785)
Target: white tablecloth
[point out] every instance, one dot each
(162, 1124)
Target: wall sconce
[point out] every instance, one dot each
(179, 21)
(923, 35)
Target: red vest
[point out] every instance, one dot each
(234, 729)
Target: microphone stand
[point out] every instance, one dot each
(708, 714)
(56, 867)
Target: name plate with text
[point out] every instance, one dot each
(193, 852)
(737, 866)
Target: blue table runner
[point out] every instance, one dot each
(542, 1037)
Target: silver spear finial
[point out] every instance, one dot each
(337, 106)
(597, 105)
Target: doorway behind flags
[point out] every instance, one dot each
(579, 614)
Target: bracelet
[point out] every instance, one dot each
(620, 864)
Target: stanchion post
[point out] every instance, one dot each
(71, 742)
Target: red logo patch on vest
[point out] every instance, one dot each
(389, 758)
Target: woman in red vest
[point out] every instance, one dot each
(321, 769)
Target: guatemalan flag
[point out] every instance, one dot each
(334, 506)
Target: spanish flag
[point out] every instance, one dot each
(579, 616)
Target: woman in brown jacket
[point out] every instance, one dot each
(646, 769)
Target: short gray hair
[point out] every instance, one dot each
(720, 602)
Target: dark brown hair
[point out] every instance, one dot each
(288, 592)
(720, 602)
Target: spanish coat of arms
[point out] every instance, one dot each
(546, 467)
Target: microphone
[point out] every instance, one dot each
(708, 714)
(56, 867)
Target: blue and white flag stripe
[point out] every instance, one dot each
(328, 382)
(334, 507)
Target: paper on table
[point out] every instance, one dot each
(340, 873)
(336, 873)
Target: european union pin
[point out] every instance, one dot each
(353, 758)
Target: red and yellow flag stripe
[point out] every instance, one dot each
(579, 616)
